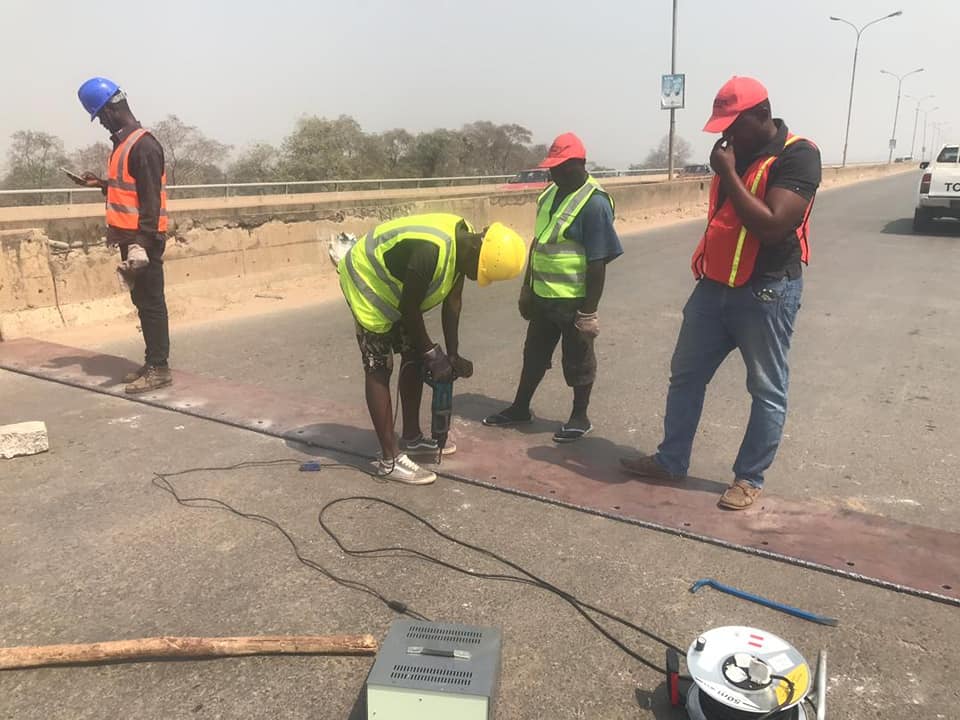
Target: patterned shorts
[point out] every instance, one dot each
(378, 349)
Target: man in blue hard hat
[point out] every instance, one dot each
(136, 214)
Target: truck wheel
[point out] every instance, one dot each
(921, 220)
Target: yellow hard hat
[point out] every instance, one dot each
(502, 255)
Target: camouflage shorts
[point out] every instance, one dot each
(378, 349)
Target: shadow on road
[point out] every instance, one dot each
(475, 407)
(938, 228)
(349, 439)
(657, 701)
(109, 366)
(597, 458)
(359, 710)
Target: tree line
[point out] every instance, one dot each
(317, 149)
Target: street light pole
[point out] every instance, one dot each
(673, 112)
(853, 74)
(916, 119)
(896, 113)
(923, 143)
(938, 133)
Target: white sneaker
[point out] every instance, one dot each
(404, 470)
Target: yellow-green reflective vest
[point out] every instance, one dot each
(372, 292)
(559, 268)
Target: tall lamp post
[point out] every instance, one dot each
(853, 75)
(916, 119)
(923, 143)
(938, 133)
(673, 112)
(896, 113)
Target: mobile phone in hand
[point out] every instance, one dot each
(73, 176)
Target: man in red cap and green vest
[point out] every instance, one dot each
(574, 240)
(748, 267)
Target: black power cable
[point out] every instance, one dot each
(529, 578)
(162, 481)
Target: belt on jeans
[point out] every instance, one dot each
(791, 272)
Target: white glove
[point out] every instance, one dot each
(588, 324)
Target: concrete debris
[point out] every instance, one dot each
(26, 438)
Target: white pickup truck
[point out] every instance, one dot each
(939, 193)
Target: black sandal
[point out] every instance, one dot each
(569, 435)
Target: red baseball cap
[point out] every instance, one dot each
(566, 147)
(737, 95)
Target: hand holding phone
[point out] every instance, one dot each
(723, 156)
(73, 176)
(88, 179)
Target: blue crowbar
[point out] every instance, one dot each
(772, 604)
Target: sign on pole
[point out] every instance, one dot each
(672, 91)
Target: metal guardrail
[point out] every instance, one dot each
(69, 196)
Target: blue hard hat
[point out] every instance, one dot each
(95, 93)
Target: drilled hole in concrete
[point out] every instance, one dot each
(493, 477)
(686, 524)
(299, 432)
(616, 507)
(764, 542)
(947, 587)
(259, 422)
(553, 492)
(850, 563)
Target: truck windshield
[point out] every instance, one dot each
(949, 154)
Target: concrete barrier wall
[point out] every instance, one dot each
(55, 270)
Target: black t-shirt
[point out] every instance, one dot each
(797, 169)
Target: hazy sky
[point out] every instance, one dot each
(243, 71)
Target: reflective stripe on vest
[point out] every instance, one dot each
(559, 264)
(123, 203)
(372, 292)
(728, 251)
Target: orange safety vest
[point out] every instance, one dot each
(728, 251)
(123, 204)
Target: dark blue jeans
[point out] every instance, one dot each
(756, 319)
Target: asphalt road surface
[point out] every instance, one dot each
(873, 418)
(90, 550)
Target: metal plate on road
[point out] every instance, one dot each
(911, 558)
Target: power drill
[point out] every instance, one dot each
(441, 408)
(441, 412)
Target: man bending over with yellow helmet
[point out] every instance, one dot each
(390, 277)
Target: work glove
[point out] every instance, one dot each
(526, 303)
(136, 258)
(438, 365)
(462, 367)
(588, 324)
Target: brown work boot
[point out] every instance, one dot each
(153, 378)
(647, 466)
(739, 496)
(132, 377)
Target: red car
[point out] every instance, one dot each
(536, 179)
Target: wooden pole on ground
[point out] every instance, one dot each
(185, 647)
